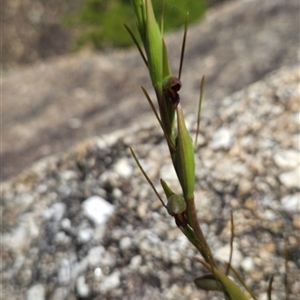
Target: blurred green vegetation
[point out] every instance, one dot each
(99, 23)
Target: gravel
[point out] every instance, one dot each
(54, 247)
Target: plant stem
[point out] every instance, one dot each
(193, 222)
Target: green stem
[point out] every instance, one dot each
(193, 222)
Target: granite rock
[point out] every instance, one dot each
(139, 253)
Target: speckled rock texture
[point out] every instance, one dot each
(50, 105)
(54, 246)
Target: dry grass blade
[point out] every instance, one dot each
(137, 44)
(199, 110)
(146, 176)
(286, 259)
(183, 45)
(231, 244)
(152, 106)
(172, 146)
(269, 293)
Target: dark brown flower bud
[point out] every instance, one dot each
(171, 86)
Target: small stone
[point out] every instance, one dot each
(68, 175)
(64, 189)
(245, 186)
(61, 238)
(64, 272)
(21, 237)
(81, 287)
(97, 209)
(263, 296)
(60, 293)
(222, 139)
(291, 203)
(296, 221)
(296, 141)
(142, 210)
(117, 193)
(287, 159)
(247, 142)
(84, 235)
(174, 256)
(36, 292)
(257, 166)
(269, 247)
(123, 168)
(222, 254)
(55, 212)
(168, 173)
(125, 243)
(201, 140)
(98, 272)
(41, 188)
(250, 204)
(270, 215)
(111, 282)
(95, 255)
(135, 262)
(248, 264)
(66, 224)
(290, 180)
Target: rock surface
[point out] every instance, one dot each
(38, 29)
(51, 249)
(49, 106)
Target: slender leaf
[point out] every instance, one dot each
(199, 110)
(231, 244)
(183, 45)
(146, 176)
(269, 293)
(137, 44)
